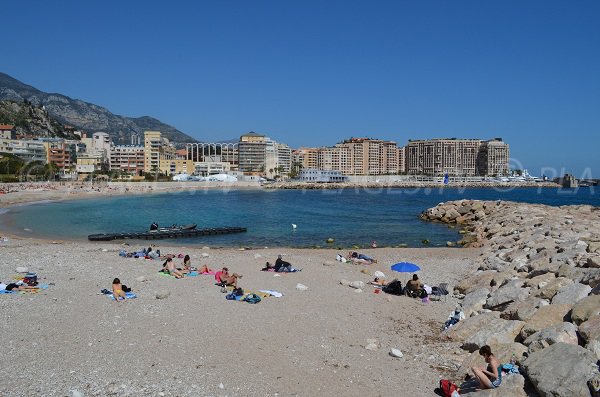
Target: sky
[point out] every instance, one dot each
(312, 73)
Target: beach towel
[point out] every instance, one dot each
(270, 292)
(128, 295)
(191, 274)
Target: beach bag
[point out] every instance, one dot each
(252, 298)
(30, 279)
(447, 388)
(238, 292)
(394, 288)
(230, 296)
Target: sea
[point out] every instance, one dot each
(351, 217)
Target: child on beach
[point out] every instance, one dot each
(117, 290)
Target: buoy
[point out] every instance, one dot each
(330, 240)
(293, 225)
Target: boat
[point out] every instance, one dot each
(173, 228)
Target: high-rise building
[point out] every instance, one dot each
(252, 153)
(258, 154)
(456, 157)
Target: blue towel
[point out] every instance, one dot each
(128, 295)
(3, 291)
(192, 274)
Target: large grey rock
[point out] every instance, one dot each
(561, 370)
(590, 330)
(484, 329)
(593, 261)
(474, 301)
(586, 308)
(476, 281)
(594, 347)
(524, 309)
(563, 332)
(510, 292)
(540, 281)
(545, 317)
(553, 287)
(591, 277)
(571, 293)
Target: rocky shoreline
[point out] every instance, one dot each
(536, 293)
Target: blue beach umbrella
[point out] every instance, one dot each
(405, 267)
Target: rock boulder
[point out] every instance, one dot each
(571, 293)
(545, 316)
(561, 370)
(563, 332)
(590, 330)
(586, 308)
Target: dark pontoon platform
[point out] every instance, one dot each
(156, 235)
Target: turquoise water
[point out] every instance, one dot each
(350, 216)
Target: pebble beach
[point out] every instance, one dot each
(526, 277)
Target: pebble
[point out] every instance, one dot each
(357, 284)
(205, 255)
(396, 353)
(301, 287)
(162, 294)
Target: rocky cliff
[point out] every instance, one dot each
(32, 121)
(84, 115)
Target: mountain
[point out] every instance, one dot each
(32, 121)
(86, 116)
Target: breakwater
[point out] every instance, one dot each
(536, 293)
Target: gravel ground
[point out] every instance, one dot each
(71, 341)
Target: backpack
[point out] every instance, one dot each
(231, 296)
(394, 288)
(447, 388)
(252, 298)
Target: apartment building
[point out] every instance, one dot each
(128, 159)
(59, 153)
(456, 157)
(252, 153)
(355, 156)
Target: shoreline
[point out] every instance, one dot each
(60, 191)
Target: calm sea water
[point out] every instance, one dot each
(351, 217)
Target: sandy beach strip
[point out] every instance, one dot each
(196, 343)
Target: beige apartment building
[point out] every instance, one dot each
(457, 157)
(158, 154)
(128, 159)
(355, 156)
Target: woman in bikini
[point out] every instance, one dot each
(489, 377)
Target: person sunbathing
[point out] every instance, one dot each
(205, 270)
(18, 286)
(224, 278)
(361, 258)
(170, 267)
(378, 281)
(118, 290)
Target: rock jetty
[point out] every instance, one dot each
(536, 293)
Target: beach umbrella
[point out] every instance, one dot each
(405, 267)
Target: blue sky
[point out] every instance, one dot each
(311, 73)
